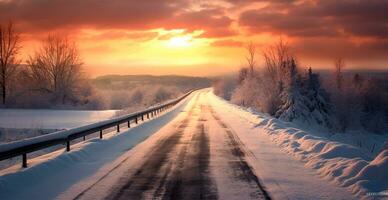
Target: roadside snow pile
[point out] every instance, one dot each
(373, 176)
(51, 119)
(14, 134)
(81, 162)
(347, 165)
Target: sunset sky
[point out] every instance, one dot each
(204, 37)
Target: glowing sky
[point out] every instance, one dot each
(204, 37)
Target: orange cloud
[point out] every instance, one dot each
(132, 32)
(227, 43)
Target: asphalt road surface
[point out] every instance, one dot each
(186, 160)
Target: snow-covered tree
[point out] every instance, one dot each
(242, 75)
(373, 117)
(55, 69)
(319, 103)
(294, 104)
(224, 87)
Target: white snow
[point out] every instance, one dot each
(68, 168)
(343, 164)
(318, 168)
(50, 119)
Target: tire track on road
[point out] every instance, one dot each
(241, 167)
(192, 180)
(178, 167)
(181, 125)
(148, 175)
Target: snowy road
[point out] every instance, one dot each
(179, 165)
(199, 150)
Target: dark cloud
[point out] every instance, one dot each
(47, 15)
(277, 22)
(245, 2)
(320, 18)
(52, 14)
(212, 21)
(357, 29)
(330, 48)
(288, 17)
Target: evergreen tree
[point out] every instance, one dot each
(294, 102)
(319, 103)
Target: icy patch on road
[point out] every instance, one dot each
(345, 164)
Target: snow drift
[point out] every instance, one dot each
(341, 163)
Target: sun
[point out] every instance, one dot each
(179, 41)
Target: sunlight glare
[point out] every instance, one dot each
(179, 41)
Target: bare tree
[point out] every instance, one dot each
(276, 58)
(56, 68)
(339, 65)
(251, 57)
(9, 49)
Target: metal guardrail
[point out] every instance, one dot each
(23, 147)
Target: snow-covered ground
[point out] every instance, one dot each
(49, 175)
(333, 158)
(290, 163)
(50, 119)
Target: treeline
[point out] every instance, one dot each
(52, 75)
(131, 81)
(134, 98)
(285, 91)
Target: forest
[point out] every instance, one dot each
(338, 100)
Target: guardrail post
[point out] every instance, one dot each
(74, 135)
(68, 145)
(24, 162)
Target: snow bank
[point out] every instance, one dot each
(51, 119)
(62, 136)
(341, 163)
(68, 168)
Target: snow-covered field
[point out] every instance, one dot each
(18, 124)
(50, 119)
(49, 175)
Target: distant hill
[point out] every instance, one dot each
(128, 81)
